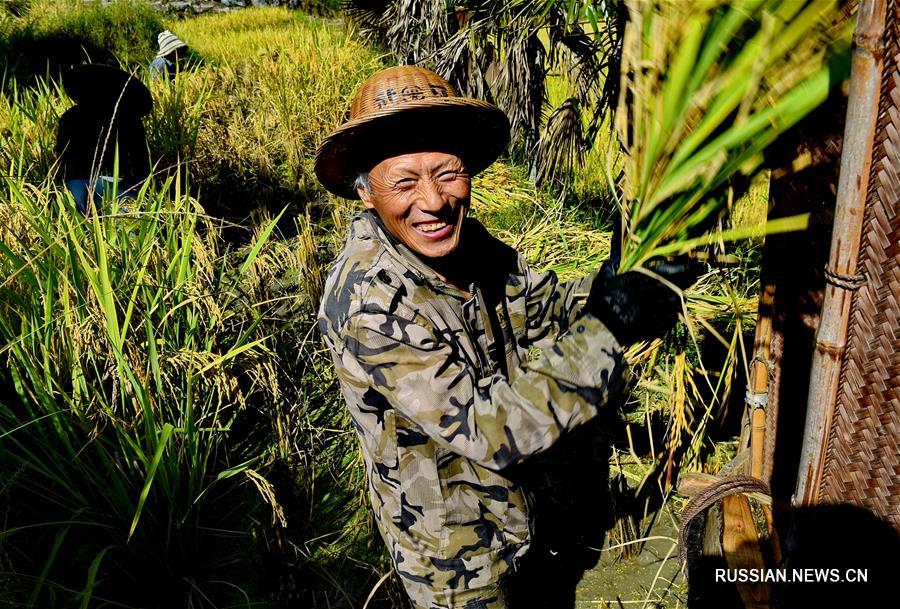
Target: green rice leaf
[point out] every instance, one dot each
(88, 591)
(162, 442)
(707, 87)
(771, 227)
(230, 355)
(51, 557)
(261, 241)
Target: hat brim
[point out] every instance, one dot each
(91, 82)
(172, 45)
(475, 131)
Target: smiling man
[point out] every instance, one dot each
(432, 324)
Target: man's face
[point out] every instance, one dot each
(422, 198)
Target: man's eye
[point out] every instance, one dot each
(449, 176)
(405, 184)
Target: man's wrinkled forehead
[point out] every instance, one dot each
(420, 163)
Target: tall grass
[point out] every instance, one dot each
(129, 361)
(172, 433)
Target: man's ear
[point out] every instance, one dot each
(366, 197)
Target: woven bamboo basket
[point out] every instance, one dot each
(851, 449)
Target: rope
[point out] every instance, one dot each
(756, 399)
(703, 500)
(847, 282)
(770, 369)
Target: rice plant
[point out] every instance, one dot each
(268, 86)
(706, 87)
(169, 428)
(127, 366)
(29, 116)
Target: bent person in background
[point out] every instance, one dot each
(170, 57)
(430, 321)
(101, 142)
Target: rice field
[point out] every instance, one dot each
(171, 433)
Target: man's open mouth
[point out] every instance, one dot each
(431, 227)
(437, 229)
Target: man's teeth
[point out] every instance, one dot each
(431, 227)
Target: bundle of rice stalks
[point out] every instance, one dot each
(706, 87)
(501, 187)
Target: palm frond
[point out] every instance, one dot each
(499, 52)
(418, 30)
(561, 146)
(521, 86)
(369, 16)
(461, 62)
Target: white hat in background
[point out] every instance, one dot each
(168, 42)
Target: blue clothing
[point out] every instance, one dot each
(104, 188)
(160, 67)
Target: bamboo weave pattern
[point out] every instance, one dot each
(863, 456)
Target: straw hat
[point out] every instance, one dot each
(168, 42)
(97, 83)
(409, 109)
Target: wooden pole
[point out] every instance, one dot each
(740, 544)
(758, 385)
(856, 159)
(758, 379)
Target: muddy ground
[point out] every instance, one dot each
(652, 579)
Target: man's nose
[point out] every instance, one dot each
(431, 198)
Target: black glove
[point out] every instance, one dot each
(635, 306)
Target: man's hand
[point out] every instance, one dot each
(635, 306)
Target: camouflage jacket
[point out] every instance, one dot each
(444, 395)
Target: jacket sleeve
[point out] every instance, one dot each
(493, 421)
(551, 305)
